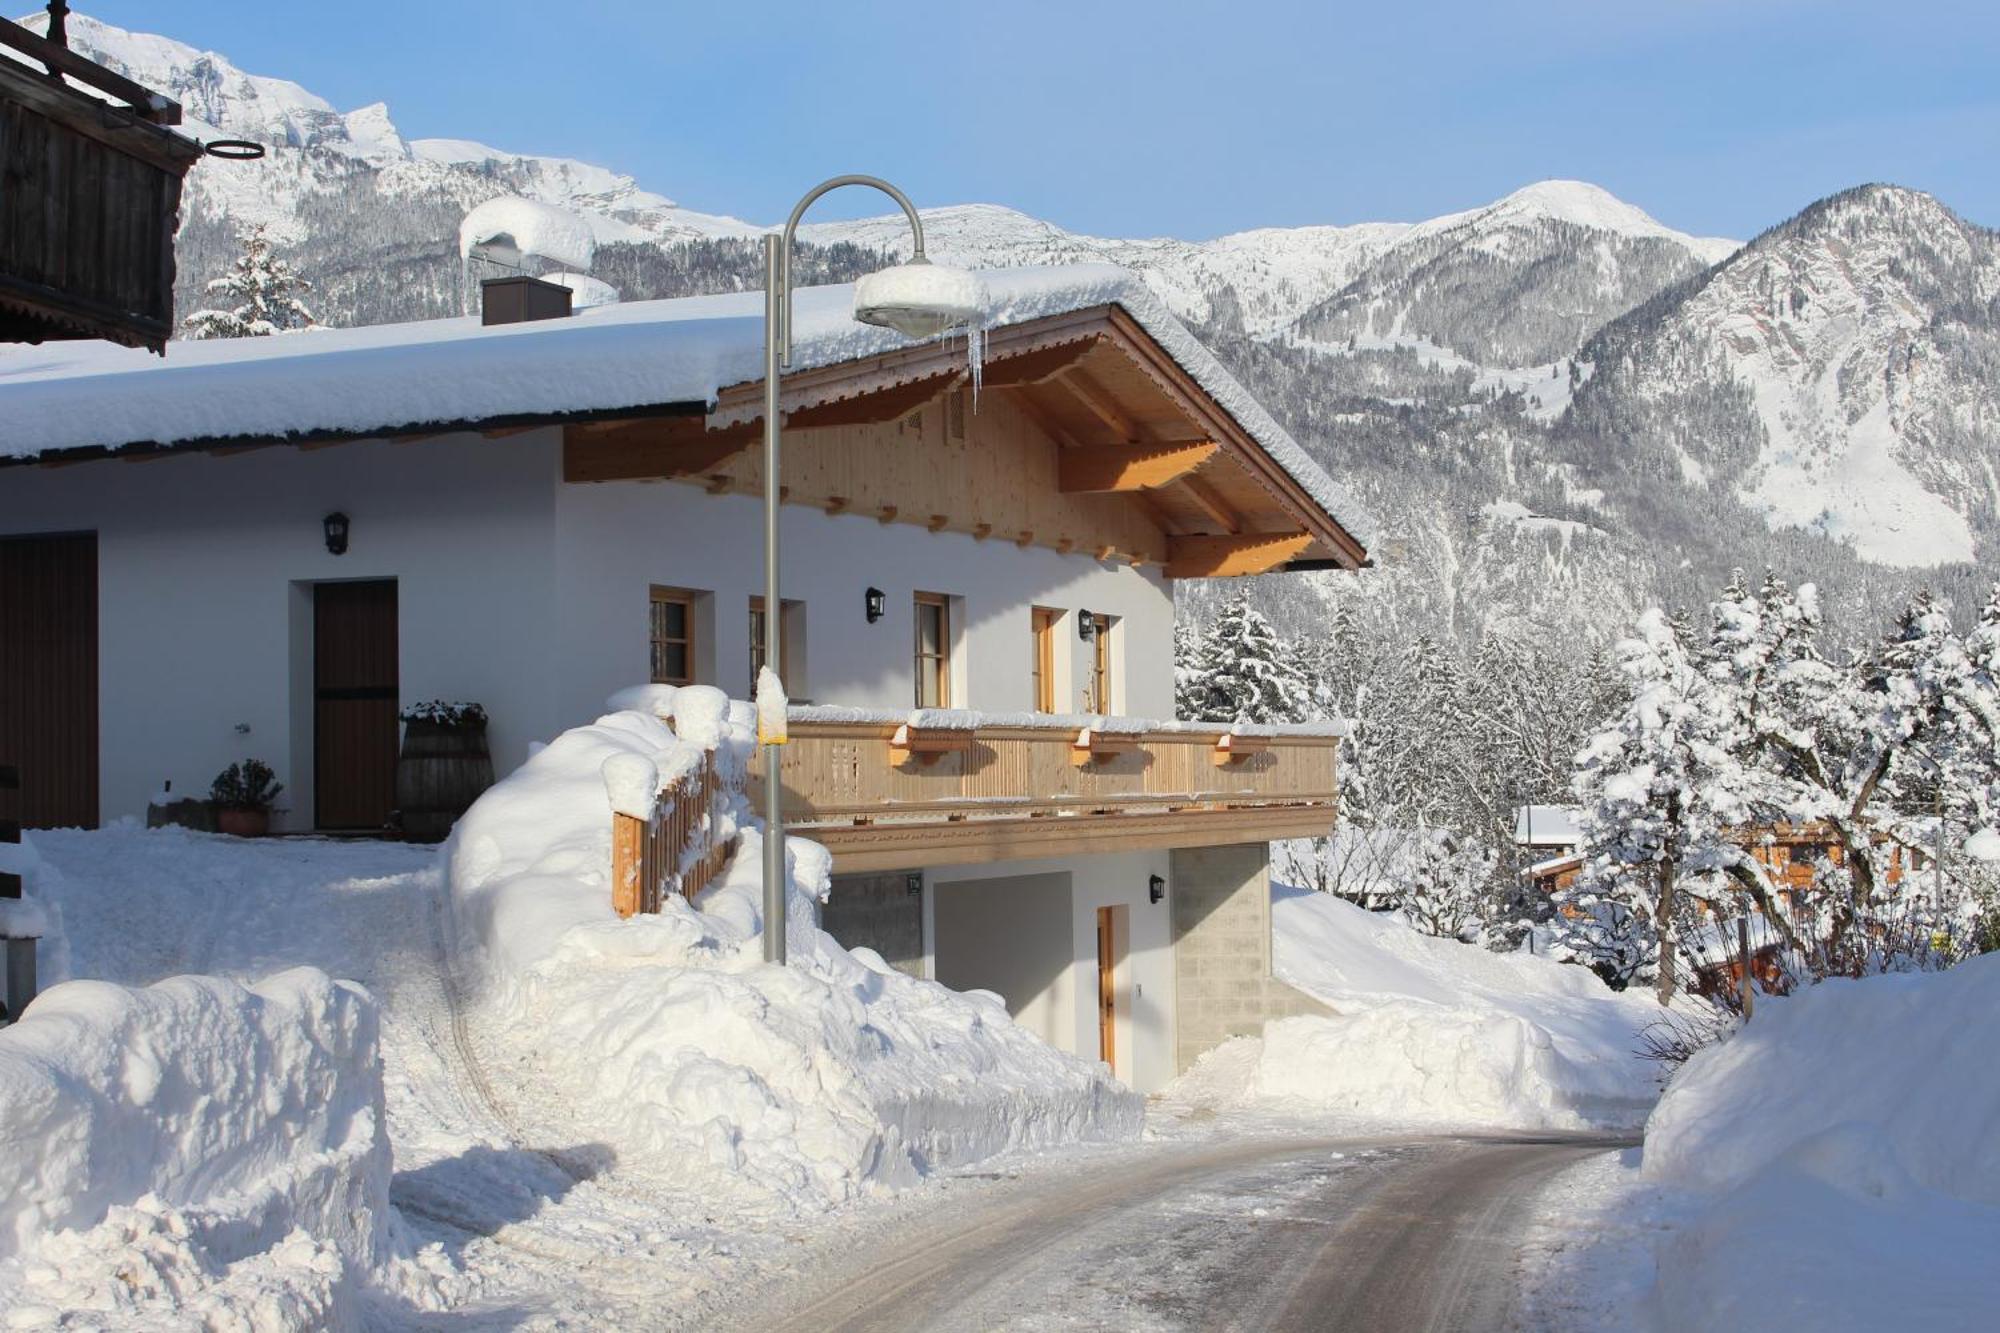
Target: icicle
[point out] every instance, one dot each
(975, 356)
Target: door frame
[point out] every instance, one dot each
(1112, 925)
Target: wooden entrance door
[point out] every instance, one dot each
(48, 677)
(355, 691)
(1107, 988)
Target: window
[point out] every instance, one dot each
(791, 647)
(1045, 621)
(672, 633)
(933, 651)
(1100, 700)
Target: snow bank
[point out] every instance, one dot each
(196, 1147)
(668, 1042)
(1846, 1148)
(1434, 1031)
(1909, 1058)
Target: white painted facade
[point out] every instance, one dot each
(1062, 1006)
(519, 591)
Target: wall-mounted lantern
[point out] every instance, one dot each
(335, 525)
(1086, 626)
(1156, 889)
(913, 884)
(878, 604)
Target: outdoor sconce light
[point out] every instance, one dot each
(878, 604)
(336, 533)
(914, 884)
(1086, 626)
(1156, 889)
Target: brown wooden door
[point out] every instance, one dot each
(1107, 991)
(354, 704)
(48, 676)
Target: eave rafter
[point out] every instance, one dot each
(1232, 557)
(1131, 467)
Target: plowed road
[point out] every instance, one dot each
(1363, 1234)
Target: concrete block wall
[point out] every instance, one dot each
(1223, 986)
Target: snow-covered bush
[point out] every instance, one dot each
(197, 1147)
(670, 1042)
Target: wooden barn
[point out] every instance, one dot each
(90, 190)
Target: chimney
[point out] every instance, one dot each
(518, 299)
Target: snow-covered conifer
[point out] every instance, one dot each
(1242, 671)
(260, 295)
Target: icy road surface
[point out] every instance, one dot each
(1383, 1234)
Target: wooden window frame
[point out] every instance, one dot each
(688, 599)
(787, 649)
(1102, 668)
(942, 657)
(1044, 623)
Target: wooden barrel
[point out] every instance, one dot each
(440, 774)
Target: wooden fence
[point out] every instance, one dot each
(676, 850)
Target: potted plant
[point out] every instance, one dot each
(243, 795)
(443, 767)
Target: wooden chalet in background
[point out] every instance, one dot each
(90, 194)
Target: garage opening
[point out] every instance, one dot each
(1012, 936)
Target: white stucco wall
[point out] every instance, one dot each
(202, 562)
(515, 590)
(1066, 1011)
(616, 539)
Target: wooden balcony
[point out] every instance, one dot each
(884, 794)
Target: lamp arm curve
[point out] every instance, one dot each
(791, 230)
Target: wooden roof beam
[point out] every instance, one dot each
(1234, 557)
(648, 450)
(1037, 366)
(1101, 404)
(1211, 503)
(1130, 467)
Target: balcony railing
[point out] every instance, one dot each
(893, 791)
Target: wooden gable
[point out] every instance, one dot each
(1083, 435)
(89, 200)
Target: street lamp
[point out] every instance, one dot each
(919, 300)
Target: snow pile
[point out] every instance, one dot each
(1433, 1031)
(585, 291)
(666, 1041)
(1846, 1148)
(196, 1148)
(509, 229)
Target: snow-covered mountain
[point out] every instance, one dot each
(1841, 373)
(1262, 281)
(1836, 375)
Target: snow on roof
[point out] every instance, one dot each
(508, 228)
(639, 354)
(1546, 826)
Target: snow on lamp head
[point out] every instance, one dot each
(919, 299)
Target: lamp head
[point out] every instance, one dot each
(919, 299)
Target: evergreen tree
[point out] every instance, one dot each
(261, 293)
(1241, 671)
(1659, 789)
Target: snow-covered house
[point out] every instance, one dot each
(265, 547)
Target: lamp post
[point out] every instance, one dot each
(919, 300)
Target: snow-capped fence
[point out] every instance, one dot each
(671, 847)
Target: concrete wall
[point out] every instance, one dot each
(205, 565)
(1223, 986)
(878, 912)
(1144, 979)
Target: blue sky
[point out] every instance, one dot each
(1719, 117)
